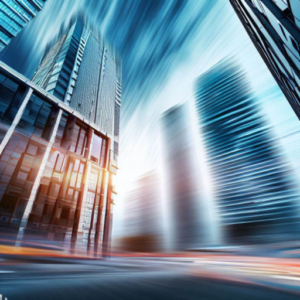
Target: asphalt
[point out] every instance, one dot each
(127, 279)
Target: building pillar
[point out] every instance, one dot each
(104, 230)
(36, 184)
(16, 120)
(108, 221)
(101, 213)
(81, 203)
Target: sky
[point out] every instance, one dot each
(164, 45)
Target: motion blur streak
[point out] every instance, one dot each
(164, 46)
(153, 38)
(188, 157)
(258, 198)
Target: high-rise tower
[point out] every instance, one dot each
(192, 215)
(59, 144)
(252, 182)
(81, 71)
(14, 15)
(143, 213)
(274, 27)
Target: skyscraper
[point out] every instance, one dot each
(191, 214)
(253, 184)
(14, 15)
(143, 206)
(274, 27)
(58, 157)
(143, 213)
(81, 71)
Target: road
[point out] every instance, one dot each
(132, 278)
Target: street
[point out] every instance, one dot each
(132, 278)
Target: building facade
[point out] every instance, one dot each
(143, 216)
(254, 187)
(191, 214)
(14, 16)
(143, 207)
(81, 71)
(274, 27)
(56, 169)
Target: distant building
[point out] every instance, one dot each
(253, 184)
(143, 214)
(274, 27)
(14, 16)
(191, 214)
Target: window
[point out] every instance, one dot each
(10, 101)
(71, 135)
(93, 198)
(98, 150)
(282, 30)
(295, 44)
(90, 198)
(20, 163)
(78, 139)
(59, 166)
(38, 118)
(54, 190)
(93, 180)
(61, 128)
(74, 175)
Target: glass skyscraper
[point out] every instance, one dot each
(59, 145)
(14, 15)
(274, 27)
(81, 71)
(143, 213)
(252, 183)
(193, 223)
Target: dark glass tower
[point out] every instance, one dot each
(274, 27)
(253, 186)
(81, 71)
(59, 144)
(14, 15)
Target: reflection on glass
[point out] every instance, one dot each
(38, 118)
(98, 150)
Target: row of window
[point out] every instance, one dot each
(61, 186)
(16, 11)
(12, 27)
(39, 118)
(58, 84)
(19, 165)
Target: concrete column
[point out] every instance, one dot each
(101, 212)
(108, 220)
(37, 181)
(16, 120)
(80, 209)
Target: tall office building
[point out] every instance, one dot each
(14, 16)
(193, 223)
(81, 71)
(274, 27)
(57, 161)
(143, 207)
(143, 220)
(253, 184)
